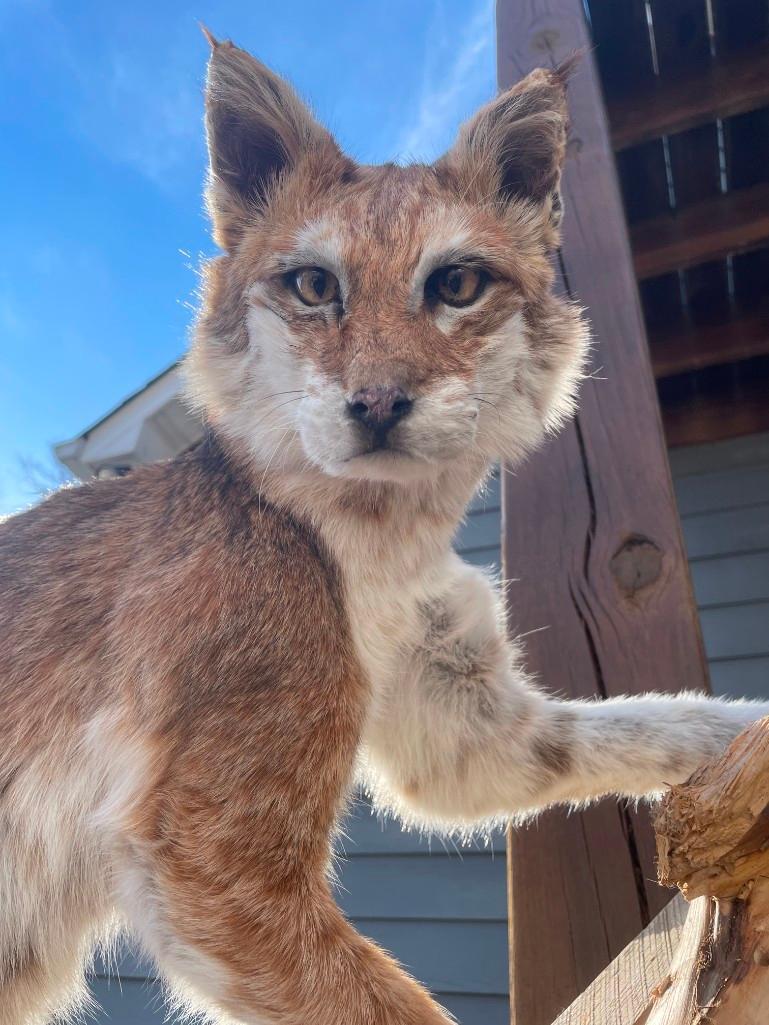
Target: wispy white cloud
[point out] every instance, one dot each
(149, 114)
(136, 97)
(459, 74)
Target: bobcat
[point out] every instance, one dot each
(200, 659)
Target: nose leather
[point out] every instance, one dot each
(379, 407)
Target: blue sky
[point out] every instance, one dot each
(102, 163)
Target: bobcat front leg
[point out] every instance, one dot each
(464, 735)
(238, 915)
(264, 955)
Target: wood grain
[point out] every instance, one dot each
(673, 104)
(675, 997)
(729, 410)
(713, 830)
(733, 222)
(581, 886)
(677, 351)
(624, 993)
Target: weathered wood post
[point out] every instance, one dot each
(591, 534)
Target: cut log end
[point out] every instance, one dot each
(713, 843)
(713, 831)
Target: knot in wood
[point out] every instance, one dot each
(636, 564)
(545, 40)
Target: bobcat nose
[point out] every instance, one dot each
(379, 408)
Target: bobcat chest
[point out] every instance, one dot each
(388, 615)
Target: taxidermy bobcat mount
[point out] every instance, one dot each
(200, 659)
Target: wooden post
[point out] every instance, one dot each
(591, 535)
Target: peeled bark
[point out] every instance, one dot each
(713, 843)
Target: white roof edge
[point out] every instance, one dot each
(121, 405)
(115, 435)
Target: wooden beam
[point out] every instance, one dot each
(624, 992)
(722, 89)
(732, 222)
(580, 884)
(707, 345)
(708, 416)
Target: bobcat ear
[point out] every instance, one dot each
(258, 130)
(514, 147)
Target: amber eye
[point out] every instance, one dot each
(315, 286)
(457, 285)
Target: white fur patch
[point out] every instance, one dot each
(59, 819)
(439, 428)
(321, 244)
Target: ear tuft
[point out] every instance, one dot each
(514, 147)
(211, 39)
(565, 70)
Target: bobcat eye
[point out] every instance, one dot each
(456, 285)
(315, 286)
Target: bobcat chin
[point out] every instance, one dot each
(201, 659)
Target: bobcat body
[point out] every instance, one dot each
(199, 660)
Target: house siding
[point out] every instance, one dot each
(723, 497)
(441, 910)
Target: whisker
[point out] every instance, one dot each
(487, 403)
(277, 394)
(277, 427)
(275, 408)
(269, 463)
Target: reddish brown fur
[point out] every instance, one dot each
(253, 718)
(209, 626)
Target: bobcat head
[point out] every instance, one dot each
(382, 322)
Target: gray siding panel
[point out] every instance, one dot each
(731, 578)
(481, 530)
(733, 488)
(436, 887)
(741, 677)
(476, 1008)
(448, 957)
(130, 1002)
(723, 491)
(127, 963)
(489, 498)
(733, 631)
(727, 531)
(747, 453)
(485, 558)
(364, 833)
(135, 1002)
